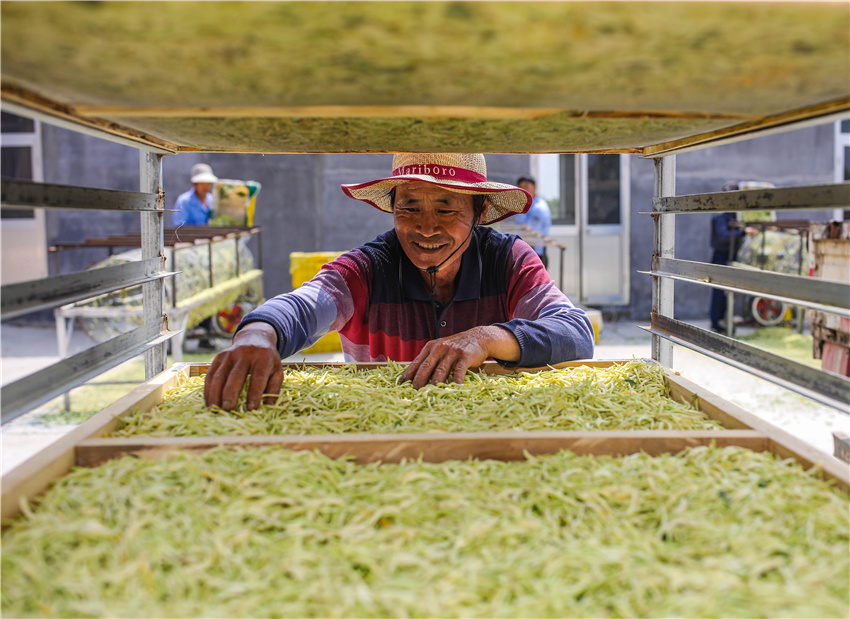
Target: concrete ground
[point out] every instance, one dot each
(26, 349)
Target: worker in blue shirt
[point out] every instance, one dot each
(193, 207)
(538, 217)
(722, 232)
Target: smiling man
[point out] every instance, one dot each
(438, 290)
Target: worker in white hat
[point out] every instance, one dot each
(438, 290)
(193, 207)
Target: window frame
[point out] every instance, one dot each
(31, 140)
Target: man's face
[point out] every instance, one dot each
(431, 223)
(203, 189)
(529, 187)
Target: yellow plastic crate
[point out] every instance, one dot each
(595, 320)
(303, 266)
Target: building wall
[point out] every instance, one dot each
(300, 207)
(71, 158)
(801, 157)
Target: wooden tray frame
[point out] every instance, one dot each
(87, 444)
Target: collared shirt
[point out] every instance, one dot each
(539, 218)
(190, 210)
(380, 305)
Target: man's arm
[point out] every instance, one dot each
(548, 327)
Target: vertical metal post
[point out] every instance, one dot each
(561, 268)
(63, 336)
(582, 217)
(665, 246)
(174, 277)
(153, 243)
(800, 309)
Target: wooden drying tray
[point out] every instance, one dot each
(87, 445)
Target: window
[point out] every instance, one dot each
(16, 162)
(23, 236)
(20, 156)
(549, 181)
(9, 123)
(603, 189)
(564, 208)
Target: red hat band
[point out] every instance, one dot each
(440, 171)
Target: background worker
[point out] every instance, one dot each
(193, 207)
(722, 232)
(538, 217)
(437, 290)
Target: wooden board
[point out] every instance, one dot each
(426, 76)
(88, 444)
(436, 446)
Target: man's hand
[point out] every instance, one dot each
(457, 353)
(254, 352)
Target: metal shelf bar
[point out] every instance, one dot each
(28, 194)
(801, 197)
(31, 296)
(825, 387)
(42, 386)
(819, 294)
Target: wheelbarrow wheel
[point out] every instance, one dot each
(768, 312)
(224, 323)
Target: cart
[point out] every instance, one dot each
(214, 278)
(778, 247)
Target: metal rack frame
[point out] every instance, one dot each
(17, 299)
(822, 295)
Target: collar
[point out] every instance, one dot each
(469, 278)
(194, 196)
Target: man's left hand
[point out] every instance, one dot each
(455, 354)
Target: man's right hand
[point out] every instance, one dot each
(254, 352)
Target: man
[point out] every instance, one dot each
(193, 207)
(722, 232)
(538, 217)
(437, 290)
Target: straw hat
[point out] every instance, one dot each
(461, 173)
(202, 173)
